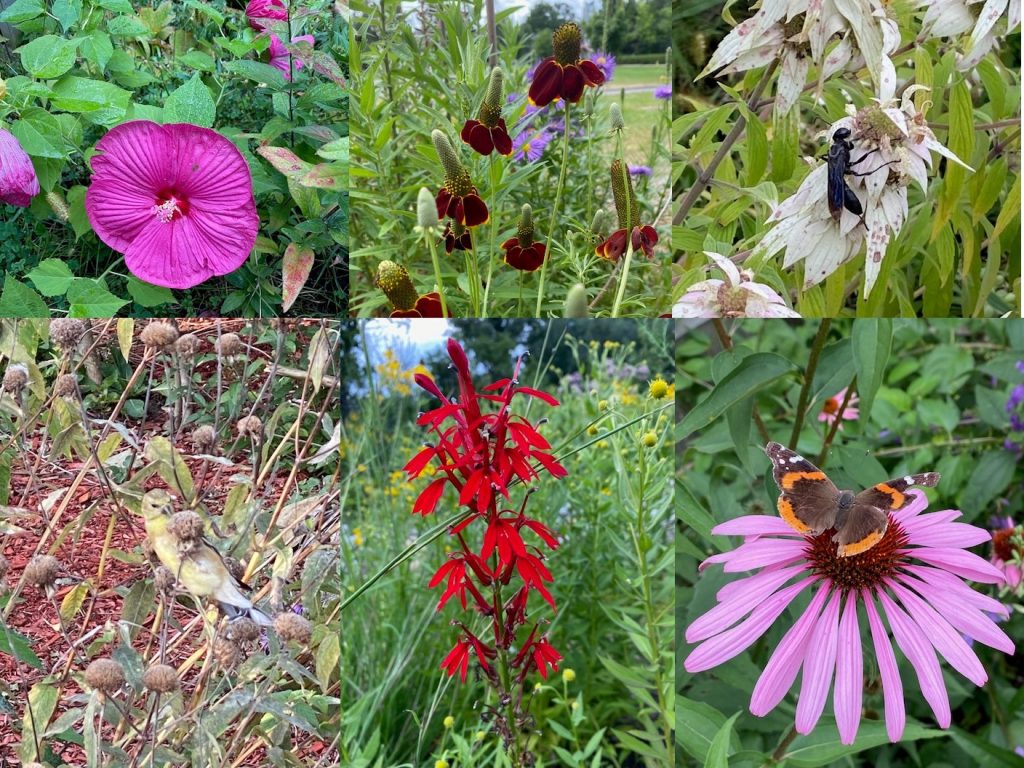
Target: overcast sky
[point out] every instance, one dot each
(578, 6)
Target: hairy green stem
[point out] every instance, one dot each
(554, 212)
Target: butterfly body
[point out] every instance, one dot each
(812, 504)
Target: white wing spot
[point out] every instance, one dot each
(908, 480)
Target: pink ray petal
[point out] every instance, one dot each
(819, 666)
(757, 588)
(754, 525)
(892, 684)
(963, 564)
(849, 692)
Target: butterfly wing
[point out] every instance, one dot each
(868, 518)
(892, 494)
(808, 502)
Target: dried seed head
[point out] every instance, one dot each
(164, 580)
(615, 115)
(159, 334)
(393, 280)
(446, 154)
(490, 110)
(250, 426)
(576, 304)
(149, 552)
(622, 191)
(203, 438)
(524, 233)
(243, 630)
(66, 386)
(187, 346)
(15, 378)
(66, 332)
(227, 652)
(186, 527)
(161, 678)
(5, 566)
(426, 210)
(41, 571)
(291, 626)
(566, 42)
(104, 675)
(229, 345)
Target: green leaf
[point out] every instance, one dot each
(39, 133)
(198, 60)
(127, 26)
(335, 150)
(52, 277)
(18, 300)
(822, 747)
(992, 475)
(207, 10)
(18, 646)
(96, 48)
(67, 12)
(191, 103)
(100, 102)
(697, 724)
(718, 752)
(751, 375)
(89, 298)
(22, 10)
(148, 295)
(48, 57)
(257, 71)
(872, 341)
(328, 654)
(77, 216)
(42, 701)
(117, 6)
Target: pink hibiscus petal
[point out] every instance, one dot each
(892, 684)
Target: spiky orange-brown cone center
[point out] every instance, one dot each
(868, 570)
(566, 42)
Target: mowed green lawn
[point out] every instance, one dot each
(626, 75)
(639, 108)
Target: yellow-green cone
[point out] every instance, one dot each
(525, 230)
(393, 279)
(566, 42)
(622, 186)
(490, 110)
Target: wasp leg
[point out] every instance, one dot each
(891, 162)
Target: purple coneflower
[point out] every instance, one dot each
(830, 410)
(915, 574)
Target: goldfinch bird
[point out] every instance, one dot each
(194, 562)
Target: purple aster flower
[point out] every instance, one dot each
(529, 145)
(1020, 366)
(606, 63)
(640, 170)
(663, 92)
(1016, 398)
(916, 576)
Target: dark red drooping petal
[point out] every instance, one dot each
(480, 139)
(475, 211)
(502, 141)
(429, 305)
(547, 83)
(573, 83)
(613, 247)
(443, 200)
(592, 72)
(467, 129)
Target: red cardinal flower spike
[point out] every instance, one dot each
(564, 75)
(485, 452)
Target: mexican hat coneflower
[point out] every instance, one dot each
(393, 279)
(564, 75)
(489, 132)
(458, 197)
(521, 251)
(175, 199)
(914, 578)
(643, 236)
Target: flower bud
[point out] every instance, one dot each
(576, 302)
(615, 115)
(426, 210)
(18, 181)
(490, 110)
(159, 334)
(161, 678)
(525, 230)
(625, 198)
(446, 154)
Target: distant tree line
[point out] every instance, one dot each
(634, 26)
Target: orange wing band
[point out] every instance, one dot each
(860, 546)
(787, 514)
(897, 497)
(789, 479)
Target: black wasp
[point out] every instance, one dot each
(839, 193)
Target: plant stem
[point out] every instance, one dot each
(625, 275)
(471, 276)
(437, 275)
(494, 233)
(624, 170)
(850, 389)
(554, 212)
(812, 363)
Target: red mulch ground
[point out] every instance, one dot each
(35, 617)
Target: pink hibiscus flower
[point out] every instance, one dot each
(176, 200)
(262, 12)
(279, 54)
(18, 182)
(830, 410)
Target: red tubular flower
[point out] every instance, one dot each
(521, 251)
(564, 75)
(643, 236)
(537, 654)
(457, 660)
(489, 132)
(458, 197)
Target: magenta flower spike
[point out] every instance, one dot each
(18, 182)
(914, 579)
(176, 200)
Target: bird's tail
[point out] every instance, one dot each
(254, 613)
